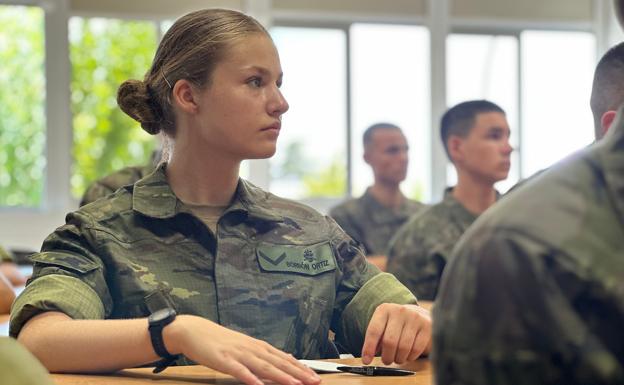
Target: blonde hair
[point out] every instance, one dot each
(189, 50)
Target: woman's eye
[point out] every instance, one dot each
(256, 82)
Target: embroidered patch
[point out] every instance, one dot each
(308, 260)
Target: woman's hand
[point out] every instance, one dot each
(399, 332)
(234, 353)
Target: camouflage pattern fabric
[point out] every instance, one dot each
(276, 270)
(111, 183)
(534, 292)
(19, 367)
(5, 256)
(422, 247)
(371, 223)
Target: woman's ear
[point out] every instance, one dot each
(184, 96)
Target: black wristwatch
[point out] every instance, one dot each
(157, 321)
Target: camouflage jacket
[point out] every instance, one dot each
(111, 183)
(371, 223)
(421, 248)
(276, 269)
(534, 292)
(19, 367)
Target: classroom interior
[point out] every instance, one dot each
(347, 64)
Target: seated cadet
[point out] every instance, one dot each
(112, 182)
(373, 218)
(192, 262)
(19, 367)
(533, 293)
(7, 295)
(475, 135)
(9, 269)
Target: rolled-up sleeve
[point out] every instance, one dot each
(68, 277)
(361, 288)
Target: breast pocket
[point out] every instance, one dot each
(307, 274)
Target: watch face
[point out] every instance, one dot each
(161, 315)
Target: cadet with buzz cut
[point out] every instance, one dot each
(192, 263)
(374, 218)
(533, 293)
(475, 135)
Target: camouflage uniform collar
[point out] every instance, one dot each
(381, 214)
(457, 208)
(153, 197)
(611, 154)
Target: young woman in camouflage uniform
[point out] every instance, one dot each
(255, 279)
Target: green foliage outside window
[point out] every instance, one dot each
(328, 181)
(22, 96)
(104, 53)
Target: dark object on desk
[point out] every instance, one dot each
(375, 371)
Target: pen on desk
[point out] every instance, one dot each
(374, 371)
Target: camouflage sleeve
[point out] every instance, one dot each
(362, 287)
(500, 317)
(5, 256)
(414, 265)
(67, 277)
(94, 192)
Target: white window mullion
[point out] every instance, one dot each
(438, 26)
(57, 195)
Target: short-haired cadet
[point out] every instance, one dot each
(374, 218)
(533, 292)
(475, 135)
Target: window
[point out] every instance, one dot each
(552, 118)
(557, 73)
(485, 67)
(22, 83)
(311, 157)
(104, 53)
(390, 83)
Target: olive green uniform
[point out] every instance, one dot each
(371, 223)
(276, 269)
(422, 247)
(19, 367)
(534, 292)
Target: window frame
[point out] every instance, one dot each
(28, 226)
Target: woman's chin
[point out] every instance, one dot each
(262, 153)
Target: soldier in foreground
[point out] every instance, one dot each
(374, 218)
(194, 263)
(475, 135)
(19, 367)
(533, 292)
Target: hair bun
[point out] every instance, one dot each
(135, 99)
